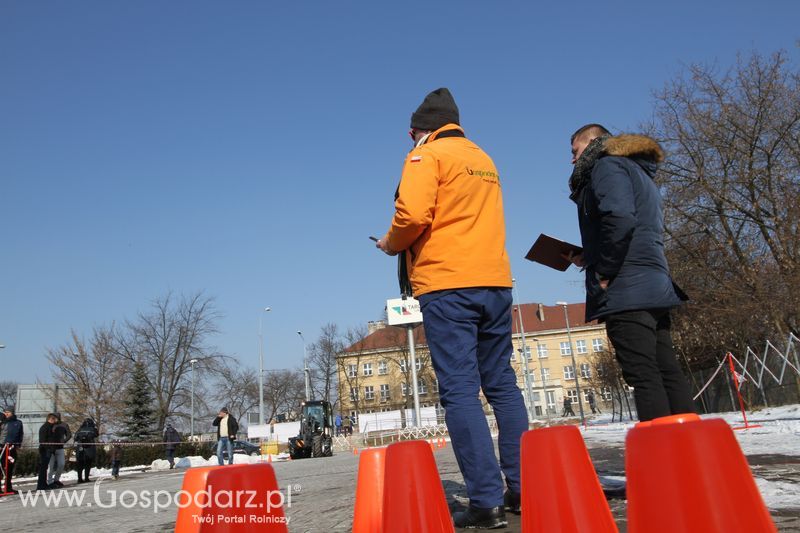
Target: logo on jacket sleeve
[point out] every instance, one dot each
(415, 159)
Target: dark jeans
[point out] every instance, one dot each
(84, 466)
(643, 345)
(44, 463)
(114, 468)
(469, 336)
(171, 456)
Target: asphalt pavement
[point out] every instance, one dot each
(322, 496)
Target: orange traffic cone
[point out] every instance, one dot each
(690, 477)
(368, 513)
(560, 489)
(413, 497)
(208, 501)
(672, 419)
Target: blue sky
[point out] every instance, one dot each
(248, 149)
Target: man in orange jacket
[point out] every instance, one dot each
(449, 223)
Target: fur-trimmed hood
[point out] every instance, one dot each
(635, 147)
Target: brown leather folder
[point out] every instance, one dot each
(548, 251)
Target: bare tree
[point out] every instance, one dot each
(284, 391)
(8, 393)
(90, 376)
(236, 388)
(425, 373)
(732, 200)
(323, 361)
(165, 340)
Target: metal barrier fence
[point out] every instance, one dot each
(385, 437)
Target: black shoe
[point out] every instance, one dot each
(477, 518)
(80, 481)
(511, 501)
(52, 486)
(46, 487)
(58, 484)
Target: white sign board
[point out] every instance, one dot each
(258, 431)
(401, 311)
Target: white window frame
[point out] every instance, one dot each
(569, 372)
(545, 374)
(550, 396)
(353, 394)
(565, 347)
(572, 394)
(586, 371)
(580, 346)
(369, 392)
(383, 367)
(352, 371)
(541, 351)
(367, 369)
(384, 392)
(597, 345)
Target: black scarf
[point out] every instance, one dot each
(582, 172)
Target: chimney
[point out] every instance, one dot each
(375, 325)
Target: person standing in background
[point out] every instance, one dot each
(61, 434)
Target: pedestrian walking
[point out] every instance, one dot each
(449, 230)
(171, 439)
(567, 407)
(592, 403)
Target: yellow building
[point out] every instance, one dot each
(374, 373)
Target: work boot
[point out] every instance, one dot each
(477, 518)
(511, 501)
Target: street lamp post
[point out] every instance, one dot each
(545, 403)
(261, 367)
(191, 427)
(306, 373)
(526, 370)
(574, 364)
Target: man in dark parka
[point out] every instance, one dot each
(628, 284)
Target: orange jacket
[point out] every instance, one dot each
(449, 217)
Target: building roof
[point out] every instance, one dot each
(391, 337)
(553, 318)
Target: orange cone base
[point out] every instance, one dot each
(560, 489)
(413, 496)
(691, 477)
(232, 498)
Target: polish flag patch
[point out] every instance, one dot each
(416, 159)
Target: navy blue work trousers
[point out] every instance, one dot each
(469, 337)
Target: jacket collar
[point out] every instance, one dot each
(448, 130)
